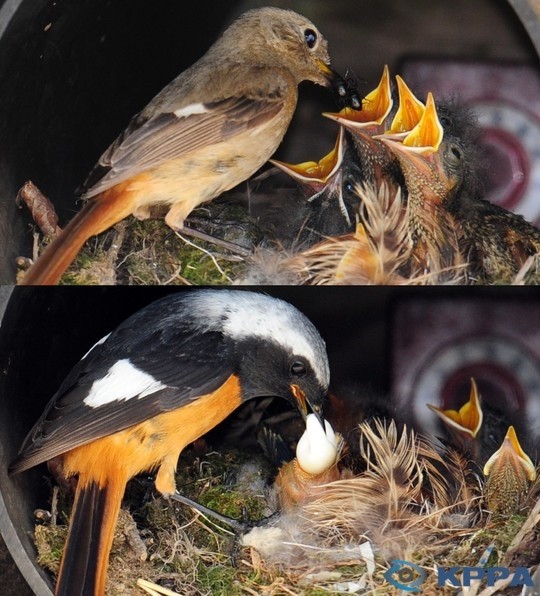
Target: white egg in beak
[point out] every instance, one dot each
(317, 449)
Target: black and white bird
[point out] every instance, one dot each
(163, 378)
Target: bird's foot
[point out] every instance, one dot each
(239, 527)
(235, 248)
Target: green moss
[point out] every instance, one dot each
(219, 580)
(49, 541)
(232, 503)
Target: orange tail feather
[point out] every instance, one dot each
(96, 216)
(83, 571)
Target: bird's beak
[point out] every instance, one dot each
(419, 150)
(329, 73)
(468, 418)
(409, 113)
(316, 171)
(424, 139)
(427, 135)
(375, 107)
(512, 453)
(302, 403)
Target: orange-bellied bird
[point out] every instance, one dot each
(207, 131)
(164, 377)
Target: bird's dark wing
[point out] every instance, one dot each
(170, 135)
(160, 369)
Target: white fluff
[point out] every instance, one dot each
(317, 448)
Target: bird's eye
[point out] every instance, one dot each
(311, 38)
(348, 186)
(445, 122)
(455, 154)
(298, 368)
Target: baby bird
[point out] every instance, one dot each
(509, 471)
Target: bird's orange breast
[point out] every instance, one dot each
(155, 441)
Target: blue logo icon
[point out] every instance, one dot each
(405, 575)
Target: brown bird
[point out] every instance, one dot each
(509, 471)
(207, 131)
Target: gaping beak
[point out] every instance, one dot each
(511, 453)
(468, 418)
(409, 113)
(427, 135)
(375, 107)
(302, 404)
(419, 150)
(316, 171)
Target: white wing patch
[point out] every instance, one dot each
(123, 381)
(191, 110)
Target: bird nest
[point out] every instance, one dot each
(247, 251)
(405, 500)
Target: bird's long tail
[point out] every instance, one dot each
(83, 571)
(99, 214)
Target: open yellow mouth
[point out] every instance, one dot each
(427, 135)
(468, 418)
(316, 171)
(410, 110)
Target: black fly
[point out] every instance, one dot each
(347, 93)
